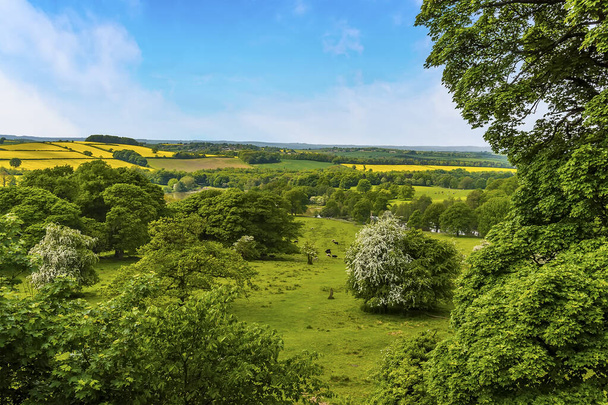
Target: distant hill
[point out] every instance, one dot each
(285, 145)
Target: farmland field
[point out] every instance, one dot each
(86, 146)
(295, 165)
(142, 150)
(40, 154)
(191, 165)
(29, 146)
(47, 163)
(422, 168)
(440, 193)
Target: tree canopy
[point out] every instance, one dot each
(529, 312)
(231, 214)
(391, 267)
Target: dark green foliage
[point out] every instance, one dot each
(59, 180)
(131, 210)
(94, 177)
(492, 212)
(112, 139)
(37, 208)
(15, 162)
(254, 157)
(415, 220)
(233, 213)
(297, 199)
(459, 219)
(184, 264)
(529, 319)
(401, 378)
(130, 156)
(134, 349)
(13, 250)
(364, 186)
(391, 267)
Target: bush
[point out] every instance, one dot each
(391, 267)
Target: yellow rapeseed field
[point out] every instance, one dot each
(142, 150)
(30, 146)
(48, 163)
(86, 146)
(40, 154)
(423, 168)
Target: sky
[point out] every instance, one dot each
(310, 71)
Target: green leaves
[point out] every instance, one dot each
(390, 267)
(134, 350)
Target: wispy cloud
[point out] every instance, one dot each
(397, 19)
(300, 7)
(342, 39)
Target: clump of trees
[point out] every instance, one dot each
(258, 156)
(390, 267)
(229, 215)
(128, 155)
(123, 140)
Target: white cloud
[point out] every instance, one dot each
(397, 19)
(342, 39)
(23, 112)
(300, 7)
(379, 113)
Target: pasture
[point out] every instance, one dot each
(191, 165)
(292, 298)
(295, 165)
(422, 168)
(438, 194)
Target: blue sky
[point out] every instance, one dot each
(314, 71)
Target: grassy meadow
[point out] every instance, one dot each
(439, 193)
(292, 298)
(423, 168)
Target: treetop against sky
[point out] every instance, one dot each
(340, 71)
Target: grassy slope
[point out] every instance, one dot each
(293, 300)
(287, 164)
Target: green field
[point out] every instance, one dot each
(291, 297)
(293, 300)
(295, 165)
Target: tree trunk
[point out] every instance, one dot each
(119, 253)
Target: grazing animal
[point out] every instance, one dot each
(334, 241)
(334, 255)
(331, 294)
(328, 255)
(295, 241)
(328, 251)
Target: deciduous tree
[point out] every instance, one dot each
(389, 266)
(64, 252)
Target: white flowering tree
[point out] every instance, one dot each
(389, 266)
(64, 252)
